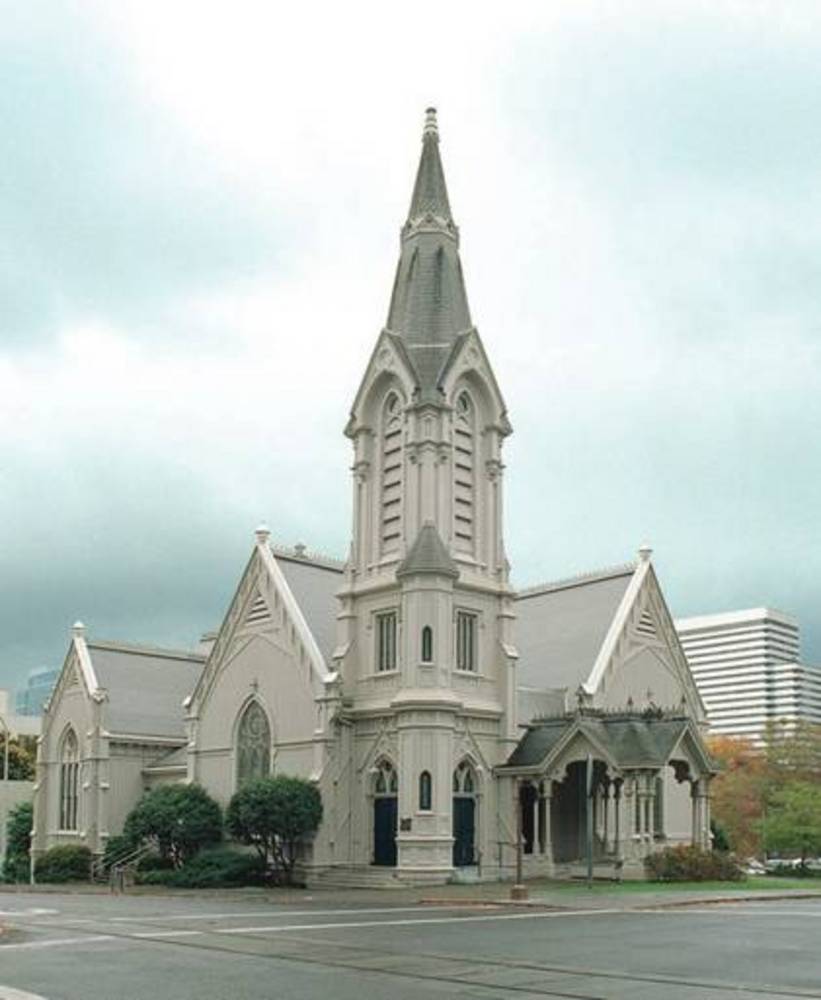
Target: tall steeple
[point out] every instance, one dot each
(429, 307)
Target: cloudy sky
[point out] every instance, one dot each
(198, 229)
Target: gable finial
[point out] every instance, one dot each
(262, 533)
(431, 125)
(645, 551)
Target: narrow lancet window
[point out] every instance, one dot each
(69, 780)
(427, 644)
(425, 791)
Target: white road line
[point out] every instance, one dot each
(164, 934)
(55, 942)
(291, 913)
(346, 924)
(10, 993)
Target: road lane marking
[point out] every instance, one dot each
(164, 934)
(56, 942)
(407, 921)
(31, 911)
(291, 913)
(10, 993)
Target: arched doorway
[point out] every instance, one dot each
(385, 810)
(464, 816)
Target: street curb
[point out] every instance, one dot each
(453, 901)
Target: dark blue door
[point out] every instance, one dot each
(384, 831)
(464, 831)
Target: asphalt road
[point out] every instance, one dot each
(64, 947)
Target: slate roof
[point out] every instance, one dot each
(631, 740)
(314, 583)
(429, 307)
(560, 627)
(146, 687)
(428, 554)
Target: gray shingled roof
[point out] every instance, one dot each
(428, 555)
(429, 307)
(314, 585)
(561, 628)
(146, 687)
(632, 741)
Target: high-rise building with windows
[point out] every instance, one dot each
(746, 665)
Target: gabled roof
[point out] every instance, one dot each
(146, 687)
(561, 627)
(314, 582)
(631, 740)
(428, 554)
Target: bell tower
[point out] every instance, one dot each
(425, 659)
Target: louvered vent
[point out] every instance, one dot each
(646, 625)
(392, 475)
(463, 475)
(258, 612)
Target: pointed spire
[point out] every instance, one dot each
(428, 555)
(429, 202)
(429, 307)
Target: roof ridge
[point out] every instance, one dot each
(594, 576)
(299, 553)
(141, 650)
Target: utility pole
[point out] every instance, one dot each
(519, 889)
(589, 816)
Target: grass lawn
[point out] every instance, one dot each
(755, 883)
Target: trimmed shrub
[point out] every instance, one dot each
(213, 869)
(67, 863)
(178, 820)
(684, 863)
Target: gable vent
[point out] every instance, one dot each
(647, 626)
(258, 612)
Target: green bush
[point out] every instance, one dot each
(793, 871)
(68, 863)
(684, 863)
(276, 816)
(178, 820)
(212, 869)
(16, 868)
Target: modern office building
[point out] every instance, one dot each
(39, 685)
(746, 665)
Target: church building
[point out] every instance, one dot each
(441, 713)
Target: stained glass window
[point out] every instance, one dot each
(253, 745)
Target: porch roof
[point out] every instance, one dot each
(631, 740)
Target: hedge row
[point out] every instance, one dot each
(684, 863)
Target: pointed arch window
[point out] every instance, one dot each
(69, 780)
(253, 745)
(464, 473)
(425, 791)
(427, 644)
(390, 513)
(464, 780)
(385, 782)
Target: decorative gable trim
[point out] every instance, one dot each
(388, 358)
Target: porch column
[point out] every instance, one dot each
(535, 807)
(617, 787)
(605, 794)
(547, 812)
(695, 805)
(650, 803)
(703, 813)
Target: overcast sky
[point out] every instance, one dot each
(199, 220)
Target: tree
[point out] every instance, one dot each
(793, 822)
(18, 842)
(275, 815)
(178, 819)
(739, 792)
(22, 757)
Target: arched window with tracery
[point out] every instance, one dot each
(386, 781)
(253, 744)
(390, 513)
(464, 474)
(69, 780)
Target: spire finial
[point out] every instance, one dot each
(431, 127)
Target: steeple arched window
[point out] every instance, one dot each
(464, 474)
(69, 780)
(390, 512)
(253, 745)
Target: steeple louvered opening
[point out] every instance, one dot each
(391, 475)
(464, 474)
